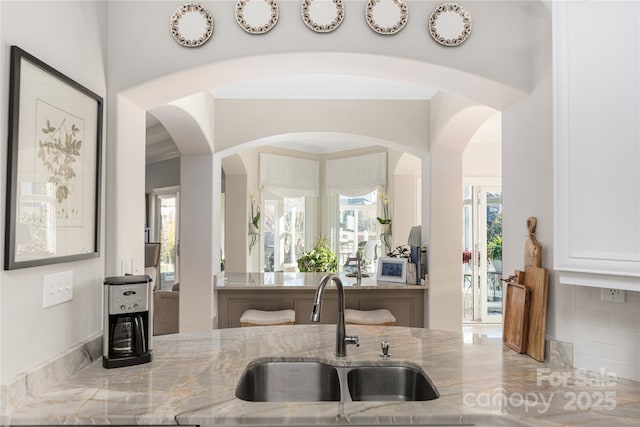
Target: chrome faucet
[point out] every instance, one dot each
(358, 274)
(341, 338)
(358, 268)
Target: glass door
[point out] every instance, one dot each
(482, 255)
(168, 216)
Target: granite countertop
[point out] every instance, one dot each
(294, 280)
(192, 380)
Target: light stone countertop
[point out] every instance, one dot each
(192, 380)
(294, 280)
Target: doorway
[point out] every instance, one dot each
(482, 289)
(167, 208)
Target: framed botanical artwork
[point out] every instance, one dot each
(392, 269)
(54, 166)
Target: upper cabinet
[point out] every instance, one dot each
(596, 66)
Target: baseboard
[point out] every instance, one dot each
(558, 354)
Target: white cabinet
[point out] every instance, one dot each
(596, 65)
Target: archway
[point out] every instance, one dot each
(131, 105)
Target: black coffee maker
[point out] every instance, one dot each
(127, 321)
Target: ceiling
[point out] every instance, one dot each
(161, 147)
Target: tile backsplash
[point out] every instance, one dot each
(607, 334)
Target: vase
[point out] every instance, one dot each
(497, 265)
(386, 228)
(253, 229)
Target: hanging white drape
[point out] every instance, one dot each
(289, 176)
(355, 176)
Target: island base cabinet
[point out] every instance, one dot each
(406, 305)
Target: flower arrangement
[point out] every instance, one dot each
(466, 256)
(402, 251)
(384, 198)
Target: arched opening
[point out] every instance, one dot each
(147, 97)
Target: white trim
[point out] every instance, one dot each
(599, 280)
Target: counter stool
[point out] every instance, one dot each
(381, 317)
(267, 318)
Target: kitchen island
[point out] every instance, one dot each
(192, 380)
(237, 292)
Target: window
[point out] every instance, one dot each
(167, 211)
(284, 231)
(358, 230)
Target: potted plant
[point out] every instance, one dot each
(319, 260)
(254, 225)
(384, 220)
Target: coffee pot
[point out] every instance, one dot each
(128, 337)
(128, 321)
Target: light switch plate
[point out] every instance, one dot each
(126, 266)
(57, 288)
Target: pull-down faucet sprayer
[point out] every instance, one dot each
(341, 338)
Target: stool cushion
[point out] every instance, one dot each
(369, 317)
(261, 317)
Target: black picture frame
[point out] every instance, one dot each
(54, 166)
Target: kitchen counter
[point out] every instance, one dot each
(192, 380)
(294, 280)
(237, 292)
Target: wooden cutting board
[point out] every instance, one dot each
(516, 317)
(536, 280)
(532, 248)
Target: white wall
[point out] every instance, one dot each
(71, 37)
(236, 223)
(141, 42)
(527, 190)
(445, 289)
(398, 122)
(482, 158)
(197, 243)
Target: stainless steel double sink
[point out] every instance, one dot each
(315, 381)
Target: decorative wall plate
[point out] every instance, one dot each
(450, 24)
(386, 16)
(191, 25)
(322, 16)
(256, 16)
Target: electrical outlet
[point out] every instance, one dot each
(614, 295)
(57, 288)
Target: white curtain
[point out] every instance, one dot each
(289, 176)
(355, 176)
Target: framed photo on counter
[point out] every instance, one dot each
(392, 269)
(54, 166)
